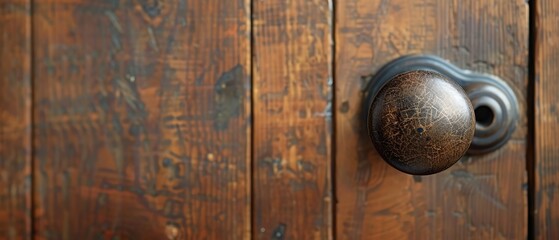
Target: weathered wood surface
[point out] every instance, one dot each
(481, 197)
(546, 217)
(15, 119)
(142, 119)
(292, 61)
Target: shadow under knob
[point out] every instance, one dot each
(421, 122)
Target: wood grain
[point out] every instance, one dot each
(15, 119)
(481, 197)
(546, 218)
(142, 119)
(292, 61)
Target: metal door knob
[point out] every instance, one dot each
(426, 122)
(420, 116)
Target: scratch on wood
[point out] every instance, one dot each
(114, 20)
(474, 184)
(152, 40)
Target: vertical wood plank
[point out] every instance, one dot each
(142, 119)
(546, 218)
(481, 197)
(15, 119)
(292, 59)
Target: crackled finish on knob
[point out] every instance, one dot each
(421, 122)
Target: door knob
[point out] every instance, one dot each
(423, 113)
(421, 122)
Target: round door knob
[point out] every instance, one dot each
(421, 122)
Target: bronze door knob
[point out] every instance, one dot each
(426, 122)
(420, 116)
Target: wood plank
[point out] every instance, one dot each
(142, 119)
(481, 197)
(15, 119)
(546, 215)
(292, 61)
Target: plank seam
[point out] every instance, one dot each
(530, 151)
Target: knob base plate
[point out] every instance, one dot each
(495, 103)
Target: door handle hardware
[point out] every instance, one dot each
(423, 113)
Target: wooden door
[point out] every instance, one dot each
(214, 119)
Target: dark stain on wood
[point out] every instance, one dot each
(229, 97)
(279, 232)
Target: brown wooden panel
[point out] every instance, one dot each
(481, 197)
(142, 119)
(15, 119)
(292, 119)
(546, 119)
